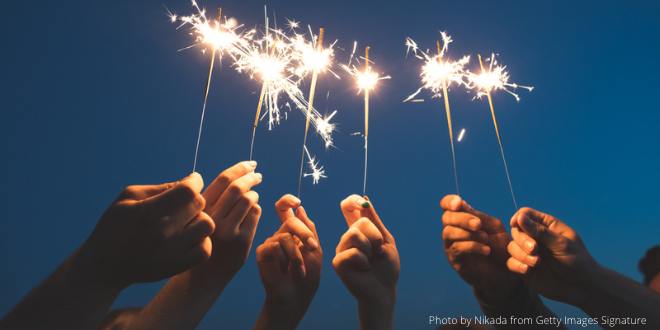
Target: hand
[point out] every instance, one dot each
(550, 255)
(234, 209)
(367, 260)
(476, 246)
(290, 266)
(150, 233)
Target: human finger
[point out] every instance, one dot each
(454, 234)
(251, 221)
(224, 179)
(370, 213)
(272, 250)
(296, 227)
(517, 266)
(200, 227)
(369, 229)
(351, 209)
(541, 234)
(455, 203)
(524, 241)
(459, 250)
(285, 205)
(354, 238)
(302, 215)
(171, 200)
(241, 208)
(234, 192)
(292, 253)
(349, 260)
(517, 252)
(462, 220)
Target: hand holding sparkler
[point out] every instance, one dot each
(367, 262)
(290, 267)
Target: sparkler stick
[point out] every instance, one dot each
(261, 100)
(451, 134)
(366, 120)
(206, 94)
(309, 109)
(497, 131)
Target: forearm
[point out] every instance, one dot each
(67, 299)
(182, 303)
(520, 304)
(611, 295)
(377, 316)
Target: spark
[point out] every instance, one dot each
(317, 173)
(460, 136)
(495, 78)
(292, 24)
(437, 69)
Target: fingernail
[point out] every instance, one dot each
(529, 246)
(312, 243)
(363, 203)
(456, 203)
(531, 260)
(295, 200)
(474, 223)
(258, 176)
(523, 268)
(301, 271)
(485, 249)
(253, 163)
(469, 207)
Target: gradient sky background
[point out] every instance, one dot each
(95, 96)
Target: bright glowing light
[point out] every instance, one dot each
(437, 69)
(460, 136)
(495, 78)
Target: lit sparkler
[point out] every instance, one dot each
(312, 57)
(495, 78)
(222, 38)
(437, 76)
(366, 81)
(317, 173)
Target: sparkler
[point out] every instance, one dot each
(221, 37)
(495, 78)
(316, 173)
(437, 74)
(365, 81)
(310, 61)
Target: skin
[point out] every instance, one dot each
(476, 247)
(187, 297)
(367, 262)
(554, 261)
(147, 234)
(290, 267)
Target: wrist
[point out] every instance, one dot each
(502, 295)
(82, 270)
(280, 316)
(377, 314)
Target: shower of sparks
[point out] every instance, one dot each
(438, 69)
(437, 75)
(495, 78)
(222, 38)
(460, 136)
(317, 173)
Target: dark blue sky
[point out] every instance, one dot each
(95, 96)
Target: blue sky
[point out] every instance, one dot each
(95, 96)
